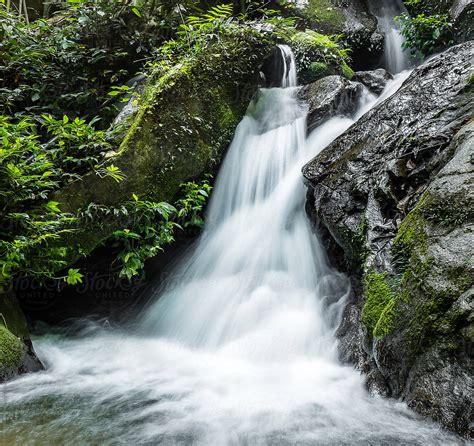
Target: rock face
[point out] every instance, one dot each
(328, 97)
(16, 351)
(395, 195)
(363, 36)
(375, 80)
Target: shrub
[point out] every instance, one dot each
(426, 33)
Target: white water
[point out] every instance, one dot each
(241, 349)
(396, 59)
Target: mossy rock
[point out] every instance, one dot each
(185, 121)
(16, 352)
(11, 350)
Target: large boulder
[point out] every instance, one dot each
(185, 120)
(394, 194)
(328, 97)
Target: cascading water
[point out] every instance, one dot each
(241, 349)
(257, 262)
(395, 58)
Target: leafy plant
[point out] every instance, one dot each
(426, 33)
(191, 205)
(33, 164)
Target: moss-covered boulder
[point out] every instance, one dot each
(394, 194)
(16, 352)
(184, 121)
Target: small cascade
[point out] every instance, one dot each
(258, 260)
(396, 59)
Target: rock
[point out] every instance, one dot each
(374, 80)
(363, 35)
(328, 97)
(400, 205)
(17, 355)
(462, 12)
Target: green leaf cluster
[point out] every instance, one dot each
(426, 34)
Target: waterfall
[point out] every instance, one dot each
(240, 348)
(396, 59)
(258, 261)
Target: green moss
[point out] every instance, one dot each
(449, 210)
(411, 236)
(386, 320)
(432, 315)
(347, 71)
(378, 311)
(326, 15)
(11, 348)
(318, 69)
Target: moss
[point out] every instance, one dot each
(386, 320)
(327, 16)
(411, 236)
(378, 311)
(347, 71)
(11, 348)
(449, 210)
(318, 69)
(427, 312)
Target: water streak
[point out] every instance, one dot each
(396, 59)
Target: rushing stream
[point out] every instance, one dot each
(240, 349)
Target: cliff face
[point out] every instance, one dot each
(395, 195)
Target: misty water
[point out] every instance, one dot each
(240, 349)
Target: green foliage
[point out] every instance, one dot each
(326, 15)
(379, 308)
(312, 48)
(191, 205)
(149, 230)
(73, 276)
(30, 171)
(68, 64)
(152, 225)
(426, 33)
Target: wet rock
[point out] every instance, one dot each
(17, 355)
(328, 97)
(375, 80)
(363, 36)
(395, 193)
(462, 12)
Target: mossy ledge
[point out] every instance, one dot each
(379, 307)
